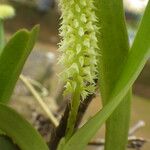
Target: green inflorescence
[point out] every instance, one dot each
(78, 45)
(6, 11)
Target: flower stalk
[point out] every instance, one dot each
(78, 47)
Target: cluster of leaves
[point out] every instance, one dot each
(113, 36)
(12, 59)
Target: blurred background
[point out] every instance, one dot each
(43, 70)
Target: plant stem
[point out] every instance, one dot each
(39, 100)
(2, 37)
(59, 132)
(73, 113)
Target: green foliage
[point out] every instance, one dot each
(139, 53)
(6, 143)
(12, 59)
(114, 49)
(20, 131)
(118, 68)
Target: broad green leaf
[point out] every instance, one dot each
(7, 144)
(114, 48)
(12, 59)
(20, 131)
(138, 56)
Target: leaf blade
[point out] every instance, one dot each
(12, 60)
(114, 49)
(20, 131)
(7, 144)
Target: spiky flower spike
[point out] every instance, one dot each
(78, 46)
(6, 11)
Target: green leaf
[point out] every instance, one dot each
(138, 56)
(20, 131)
(12, 59)
(7, 144)
(2, 40)
(114, 49)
